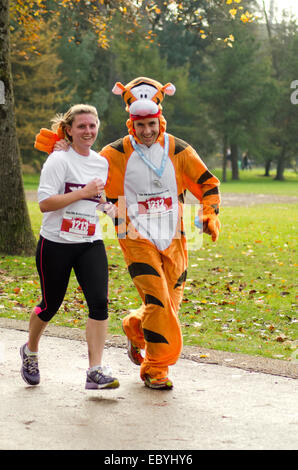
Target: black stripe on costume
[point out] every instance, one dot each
(152, 337)
(180, 145)
(181, 279)
(142, 81)
(118, 221)
(204, 177)
(118, 145)
(216, 208)
(211, 191)
(112, 200)
(150, 299)
(140, 269)
(181, 197)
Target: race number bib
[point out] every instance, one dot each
(77, 226)
(154, 204)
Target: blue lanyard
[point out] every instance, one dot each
(157, 171)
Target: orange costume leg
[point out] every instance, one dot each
(159, 278)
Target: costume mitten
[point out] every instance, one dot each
(46, 140)
(213, 225)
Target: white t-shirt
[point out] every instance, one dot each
(66, 171)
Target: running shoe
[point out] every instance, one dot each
(158, 384)
(96, 379)
(135, 354)
(29, 370)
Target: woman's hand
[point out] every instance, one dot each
(93, 188)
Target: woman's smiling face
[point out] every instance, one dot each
(83, 131)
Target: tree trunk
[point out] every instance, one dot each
(281, 165)
(234, 162)
(224, 160)
(267, 167)
(16, 236)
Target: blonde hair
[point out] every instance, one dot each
(61, 121)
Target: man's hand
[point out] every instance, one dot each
(110, 209)
(61, 145)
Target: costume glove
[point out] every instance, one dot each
(46, 140)
(213, 224)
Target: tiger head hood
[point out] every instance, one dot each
(143, 97)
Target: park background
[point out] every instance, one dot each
(234, 64)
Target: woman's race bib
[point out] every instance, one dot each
(79, 221)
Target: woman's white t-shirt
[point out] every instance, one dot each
(63, 172)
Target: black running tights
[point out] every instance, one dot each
(54, 263)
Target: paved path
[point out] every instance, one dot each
(250, 199)
(211, 407)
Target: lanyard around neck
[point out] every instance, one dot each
(158, 171)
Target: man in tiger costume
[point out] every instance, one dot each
(149, 172)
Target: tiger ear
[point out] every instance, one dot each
(118, 88)
(169, 89)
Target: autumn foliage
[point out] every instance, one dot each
(96, 15)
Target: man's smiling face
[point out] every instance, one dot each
(147, 130)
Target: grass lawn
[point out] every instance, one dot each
(240, 295)
(254, 181)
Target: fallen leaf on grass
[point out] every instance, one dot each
(281, 338)
(18, 305)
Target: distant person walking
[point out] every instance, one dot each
(246, 163)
